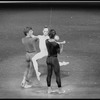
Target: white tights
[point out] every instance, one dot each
(39, 55)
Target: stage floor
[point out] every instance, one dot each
(76, 82)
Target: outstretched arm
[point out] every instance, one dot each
(33, 36)
(61, 42)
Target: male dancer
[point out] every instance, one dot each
(53, 49)
(30, 48)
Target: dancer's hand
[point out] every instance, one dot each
(63, 42)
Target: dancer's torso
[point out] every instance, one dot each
(29, 44)
(42, 43)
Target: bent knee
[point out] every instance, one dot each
(33, 59)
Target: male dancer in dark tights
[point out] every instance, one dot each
(53, 49)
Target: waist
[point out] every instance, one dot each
(52, 55)
(30, 51)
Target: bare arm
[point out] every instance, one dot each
(61, 48)
(33, 36)
(61, 42)
(61, 45)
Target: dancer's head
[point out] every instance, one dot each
(52, 34)
(56, 37)
(45, 31)
(28, 31)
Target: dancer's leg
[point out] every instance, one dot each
(27, 82)
(48, 79)
(30, 72)
(35, 64)
(25, 77)
(58, 78)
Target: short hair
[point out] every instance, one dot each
(26, 30)
(52, 33)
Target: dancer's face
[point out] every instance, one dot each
(31, 32)
(45, 31)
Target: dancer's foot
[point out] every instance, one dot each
(38, 76)
(60, 90)
(50, 90)
(23, 83)
(27, 86)
(65, 63)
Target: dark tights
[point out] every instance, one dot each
(53, 64)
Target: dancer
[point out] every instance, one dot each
(43, 50)
(30, 48)
(53, 49)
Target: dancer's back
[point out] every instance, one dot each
(53, 48)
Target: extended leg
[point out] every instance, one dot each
(35, 64)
